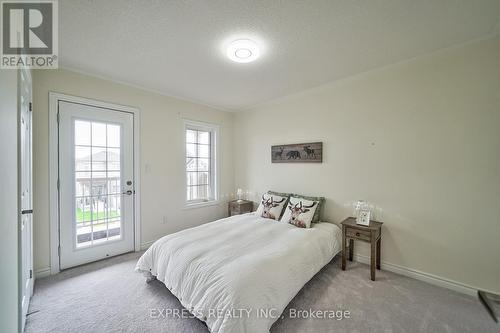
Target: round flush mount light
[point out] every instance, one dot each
(243, 50)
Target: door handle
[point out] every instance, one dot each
(129, 192)
(27, 211)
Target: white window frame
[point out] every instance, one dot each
(214, 161)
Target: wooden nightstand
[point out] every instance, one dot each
(371, 234)
(237, 207)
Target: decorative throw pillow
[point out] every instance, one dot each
(281, 194)
(300, 212)
(271, 206)
(321, 203)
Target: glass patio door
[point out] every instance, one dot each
(96, 189)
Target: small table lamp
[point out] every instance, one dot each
(239, 194)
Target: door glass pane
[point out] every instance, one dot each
(98, 158)
(82, 158)
(113, 159)
(114, 136)
(114, 184)
(97, 168)
(98, 134)
(98, 183)
(82, 133)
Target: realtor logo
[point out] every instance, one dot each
(29, 34)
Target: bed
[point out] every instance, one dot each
(239, 273)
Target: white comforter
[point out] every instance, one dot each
(230, 272)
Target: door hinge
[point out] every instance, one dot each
(58, 117)
(31, 106)
(58, 184)
(59, 250)
(31, 273)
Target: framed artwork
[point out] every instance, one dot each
(298, 153)
(363, 217)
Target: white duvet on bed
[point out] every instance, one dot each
(230, 272)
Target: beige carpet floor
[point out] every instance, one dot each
(108, 296)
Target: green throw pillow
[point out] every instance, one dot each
(321, 203)
(280, 194)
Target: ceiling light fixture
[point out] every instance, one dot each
(243, 51)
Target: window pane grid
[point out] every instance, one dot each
(97, 182)
(95, 146)
(198, 164)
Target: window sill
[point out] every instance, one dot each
(201, 204)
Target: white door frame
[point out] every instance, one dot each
(54, 99)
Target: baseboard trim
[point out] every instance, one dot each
(398, 269)
(46, 271)
(421, 276)
(146, 245)
(42, 272)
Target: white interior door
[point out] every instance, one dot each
(25, 185)
(96, 183)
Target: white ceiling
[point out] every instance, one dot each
(177, 47)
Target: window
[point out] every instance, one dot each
(200, 145)
(97, 170)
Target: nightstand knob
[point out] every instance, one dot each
(357, 234)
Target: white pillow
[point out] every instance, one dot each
(271, 206)
(299, 212)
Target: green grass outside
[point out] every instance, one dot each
(81, 216)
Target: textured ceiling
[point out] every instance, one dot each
(177, 47)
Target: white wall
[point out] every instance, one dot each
(161, 150)
(8, 202)
(420, 139)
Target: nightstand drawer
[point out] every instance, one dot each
(358, 234)
(235, 210)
